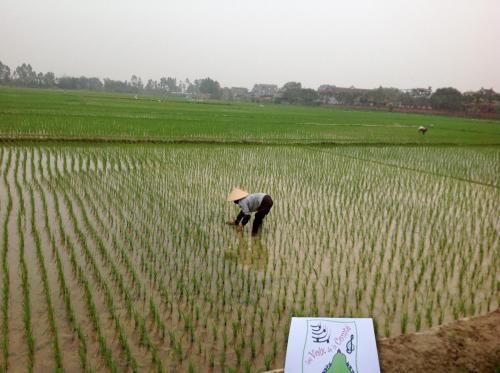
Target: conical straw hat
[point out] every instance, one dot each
(236, 194)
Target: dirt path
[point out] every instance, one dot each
(469, 345)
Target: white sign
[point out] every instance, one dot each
(331, 345)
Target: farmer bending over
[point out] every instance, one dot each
(260, 203)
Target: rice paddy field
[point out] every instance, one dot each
(115, 256)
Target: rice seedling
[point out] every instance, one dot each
(139, 230)
(5, 267)
(66, 293)
(28, 332)
(43, 270)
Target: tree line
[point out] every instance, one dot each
(445, 99)
(25, 76)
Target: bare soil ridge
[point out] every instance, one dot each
(468, 345)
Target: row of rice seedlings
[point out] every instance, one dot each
(64, 289)
(24, 166)
(124, 259)
(124, 291)
(80, 276)
(471, 163)
(5, 266)
(155, 312)
(123, 255)
(130, 360)
(118, 278)
(28, 331)
(178, 269)
(231, 292)
(185, 317)
(421, 270)
(45, 283)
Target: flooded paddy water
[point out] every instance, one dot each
(116, 257)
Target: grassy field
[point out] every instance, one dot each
(115, 257)
(90, 115)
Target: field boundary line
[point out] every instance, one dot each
(215, 141)
(395, 125)
(404, 167)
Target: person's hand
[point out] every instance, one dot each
(239, 228)
(230, 222)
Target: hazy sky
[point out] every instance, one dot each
(365, 43)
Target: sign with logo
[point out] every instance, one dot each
(331, 345)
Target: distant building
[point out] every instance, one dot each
(327, 94)
(226, 94)
(239, 93)
(482, 93)
(329, 100)
(487, 92)
(326, 89)
(419, 92)
(350, 89)
(333, 95)
(202, 96)
(264, 90)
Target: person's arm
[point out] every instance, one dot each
(245, 219)
(244, 215)
(238, 218)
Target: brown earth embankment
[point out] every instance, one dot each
(468, 345)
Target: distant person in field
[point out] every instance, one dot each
(260, 203)
(422, 130)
